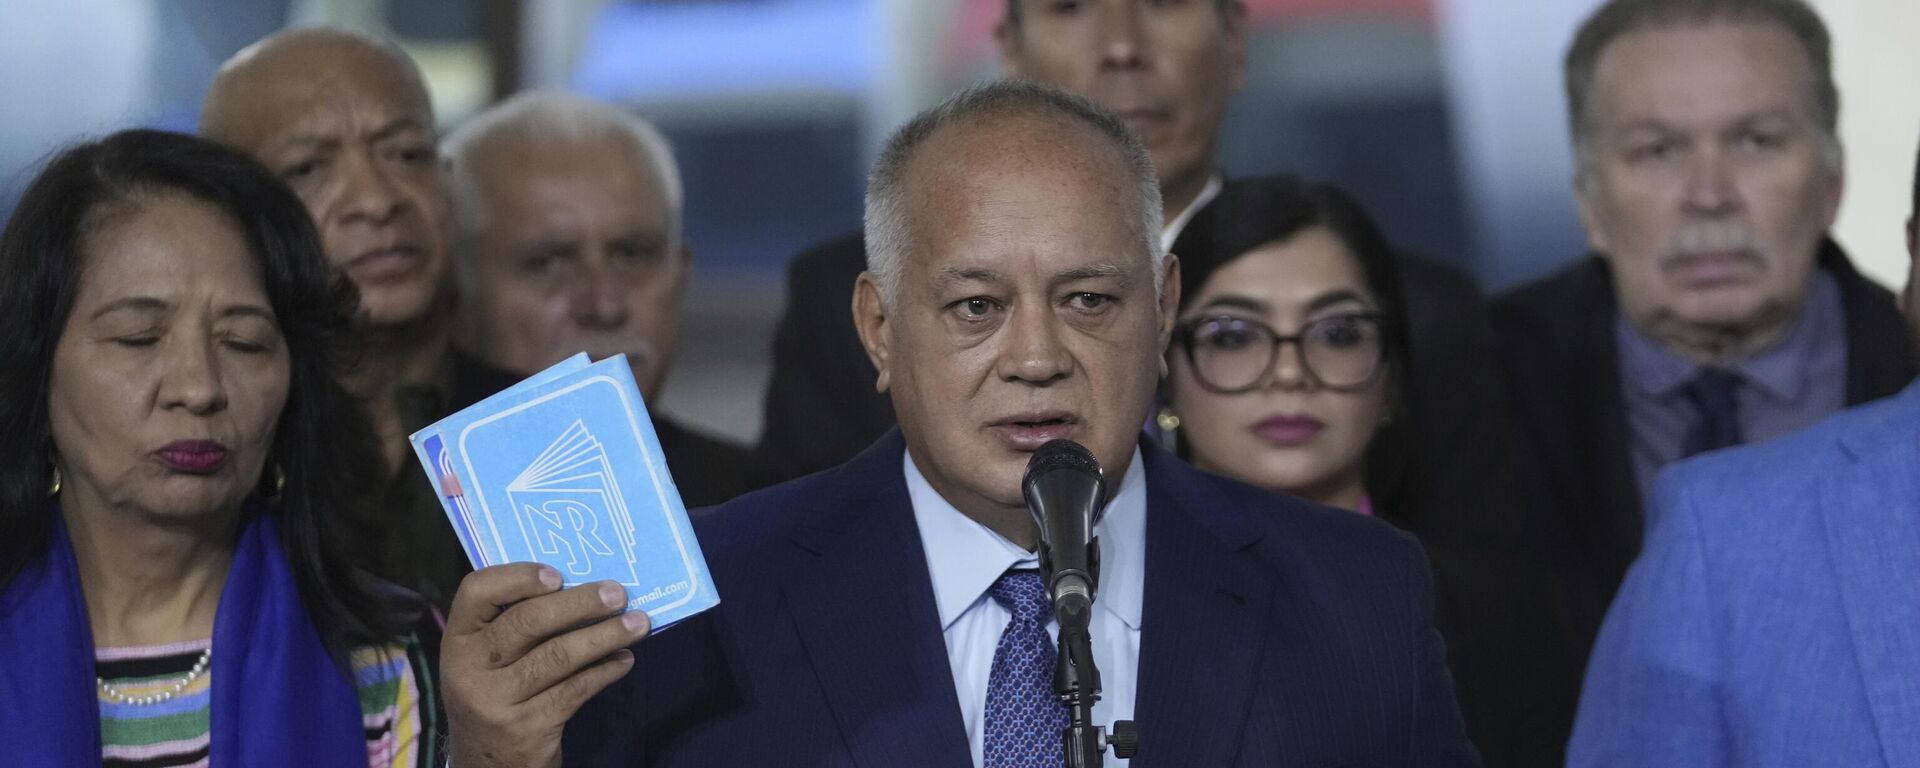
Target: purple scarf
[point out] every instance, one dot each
(278, 696)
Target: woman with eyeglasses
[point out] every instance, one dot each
(1287, 370)
(1287, 362)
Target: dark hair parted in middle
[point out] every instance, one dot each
(1253, 212)
(322, 441)
(1250, 213)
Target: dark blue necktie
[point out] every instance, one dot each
(1716, 411)
(1023, 719)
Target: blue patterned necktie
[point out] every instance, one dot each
(1023, 719)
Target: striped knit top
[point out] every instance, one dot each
(395, 705)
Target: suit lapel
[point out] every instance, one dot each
(1203, 626)
(1871, 509)
(864, 608)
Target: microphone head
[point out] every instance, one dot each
(1061, 453)
(1062, 456)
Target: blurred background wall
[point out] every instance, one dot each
(1444, 116)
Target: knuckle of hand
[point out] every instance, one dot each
(574, 691)
(558, 659)
(533, 674)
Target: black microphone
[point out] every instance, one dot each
(1066, 492)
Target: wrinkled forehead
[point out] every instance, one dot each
(1710, 66)
(1033, 196)
(596, 165)
(515, 188)
(155, 239)
(317, 91)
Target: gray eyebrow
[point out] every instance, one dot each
(968, 274)
(1094, 272)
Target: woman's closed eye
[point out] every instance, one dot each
(247, 345)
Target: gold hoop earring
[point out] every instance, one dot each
(279, 484)
(55, 490)
(1169, 424)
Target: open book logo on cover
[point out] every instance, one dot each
(571, 511)
(565, 469)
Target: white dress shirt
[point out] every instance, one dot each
(1174, 226)
(965, 558)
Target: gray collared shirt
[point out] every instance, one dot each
(1796, 382)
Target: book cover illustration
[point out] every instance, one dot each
(563, 502)
(565, 469)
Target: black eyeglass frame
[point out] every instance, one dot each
(1183, 335)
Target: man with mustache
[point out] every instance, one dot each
(567, 239)
(1715, 311)
(1770, 621)
(345, 121)
(887, 612)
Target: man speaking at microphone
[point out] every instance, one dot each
(889, 612)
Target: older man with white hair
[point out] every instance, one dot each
(567, 239)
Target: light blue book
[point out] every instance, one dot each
(565, 469)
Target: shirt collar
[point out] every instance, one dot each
(1782, 371)
(1648, 367)
(1778, 373)
(1171, 231)
(965, 558)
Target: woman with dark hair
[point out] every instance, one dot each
(1288, 360)
(177, 468)
(1287, 370)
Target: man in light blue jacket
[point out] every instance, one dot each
(1773, 618)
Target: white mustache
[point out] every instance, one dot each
(1711, 237)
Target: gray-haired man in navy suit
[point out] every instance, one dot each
(888, 612)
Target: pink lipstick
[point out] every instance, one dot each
(1287, 431)
(195, 457)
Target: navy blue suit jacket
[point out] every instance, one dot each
(1274, 633)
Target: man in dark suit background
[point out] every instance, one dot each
(1769, 619)
(1169, 70)
(1714, 310)
(886, 613)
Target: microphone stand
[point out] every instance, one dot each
(1076, 682)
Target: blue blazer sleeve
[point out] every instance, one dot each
(1652, 686)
